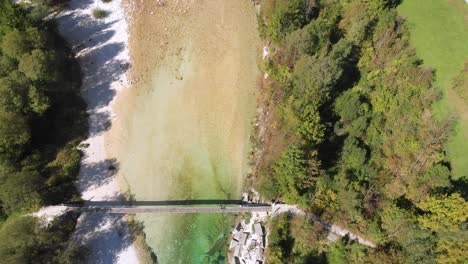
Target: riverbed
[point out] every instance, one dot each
(182, 129)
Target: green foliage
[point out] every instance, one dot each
(279, 239)
(347, 106)
(290, 174)
(446, 53)
(100, 13)
(343, 252)
(287, 116)
(291, 240)
(351, 87)
(14, 44)
(324, 197)
(12, 96)
(402, 227)
(39, 65)
(277, 71)
(7, 65)
(19, 192)
(287, 17)
(302, 41)
(41, 122)
(38, 101)
(358, 17)
(311, 127)
(315, 36)
(452, 249)
(14, 134)
(34, 104)
(313, 79)
(11, 17)
(443, 214)
(337, 255)
(353, 155)
(25, 241)
(37, 38)
(65, 166)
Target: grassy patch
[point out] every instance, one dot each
(100, 13)
(439, 33)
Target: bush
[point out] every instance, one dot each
(287, 17)
(100, 13)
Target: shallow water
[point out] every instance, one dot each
(184, 128)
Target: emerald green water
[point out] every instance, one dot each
(184, 130)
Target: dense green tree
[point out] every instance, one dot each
(15, 43)
(351, 68)
(39, 65)
(451, 249)
(24, 240)
(347, 106)
(42, 121)
(7, 65)
(14, 133)
(313, 79)
(295, 174)
(291, 174)
(19, 191)
(38, 101)
(302, 41)
(37, 38)
(288, 16)
(11, 17)
(443, 213)
(291, 239)
(65, 165)
(13, 96)
(353, 155)
(311, 127)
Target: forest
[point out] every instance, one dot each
(353, 139)
(42, 121)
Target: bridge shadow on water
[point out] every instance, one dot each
(200, 202)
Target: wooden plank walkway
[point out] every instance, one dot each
(166, 209)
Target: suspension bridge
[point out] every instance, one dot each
(170, 207)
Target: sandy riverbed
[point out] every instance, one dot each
(182, 131)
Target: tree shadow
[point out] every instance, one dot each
(101, 122)
(95, 40)
(100, 60)
(99, 53)
(106, 69)
(97, 174)
(107, 235)
(88, 27)
(82, 4)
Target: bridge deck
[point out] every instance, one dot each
(170, 209)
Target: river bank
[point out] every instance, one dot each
(182, 130)
(101, 46)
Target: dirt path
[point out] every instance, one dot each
(342, 232)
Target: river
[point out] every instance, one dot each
(182, 129)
